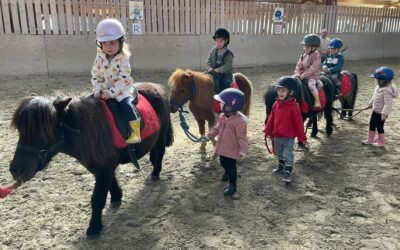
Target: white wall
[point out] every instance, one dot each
(32, 54)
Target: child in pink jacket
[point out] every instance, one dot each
(381, 104)
(309, 64)
(231, 128)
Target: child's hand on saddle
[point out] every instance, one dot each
(216, 71)
(383, 117)
(302, 77)
(209, 70)
(105, 95)
(97, 94)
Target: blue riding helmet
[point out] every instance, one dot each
(288, 82)
(335, 43)
(232, 98)
(383, 73)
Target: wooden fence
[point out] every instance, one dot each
(183, 17)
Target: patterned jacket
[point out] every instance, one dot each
(112, 76)
(382, 100)
(309, 66)
(232, 135)
(334, 63)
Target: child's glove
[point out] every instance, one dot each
(383, 117)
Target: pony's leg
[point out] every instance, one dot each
(156, 157)
(202, 129)
(329, 119)
(99, 196)
(115, 192)
(314, 130)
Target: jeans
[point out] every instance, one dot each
(284, 148)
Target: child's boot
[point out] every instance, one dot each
(317, 103)
(231, 189)
(287, 175)
(134, 137)
(279, 169)
(381, 141)
(371, 138)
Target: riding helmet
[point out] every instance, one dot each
(222, 33)
(383, 73)
(109, 29)
(335, 43)
(311, 40)
(287, 82)
(233, 99)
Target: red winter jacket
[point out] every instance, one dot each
(285, 120)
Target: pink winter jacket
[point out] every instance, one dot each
(382, 100)
(309, 66)
(232, 135)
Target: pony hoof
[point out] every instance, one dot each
(93, 232)
(313, 135)
(115, 204)
(155, 177)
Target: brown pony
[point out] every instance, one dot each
(198, 89)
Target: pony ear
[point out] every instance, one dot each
(61, 103)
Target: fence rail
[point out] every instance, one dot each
(183, 17)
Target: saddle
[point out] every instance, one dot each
(345, 83)
(306, 99)
(120, 128)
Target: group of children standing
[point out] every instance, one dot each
(111, 79)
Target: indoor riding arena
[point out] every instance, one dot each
(343, 195)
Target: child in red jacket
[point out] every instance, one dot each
(231, 129)
(284, 124)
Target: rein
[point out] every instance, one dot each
(185, 128)
(272, 149)
(340, 109)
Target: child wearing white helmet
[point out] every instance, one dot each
(111, 73)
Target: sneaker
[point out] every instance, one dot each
(287, 176)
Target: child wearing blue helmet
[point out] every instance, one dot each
(333, 64)
(381, 104)
(231, 129)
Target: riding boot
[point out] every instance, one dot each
(287, 175)
(381, 141)
(231, 189)
(279, 169)
(371, 138)
(317, 103)
(134, 137)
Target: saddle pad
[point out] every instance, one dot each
(345, 86)
(148, 114)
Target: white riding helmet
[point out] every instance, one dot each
(109, 29)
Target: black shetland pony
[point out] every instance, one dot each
(49, 125)
(303, 96)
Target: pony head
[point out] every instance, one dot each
(187, 85)
(37, 120)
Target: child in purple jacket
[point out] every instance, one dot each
(231, 128)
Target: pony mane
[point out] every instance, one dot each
(203, 83)
(93, 144)
(35, 116)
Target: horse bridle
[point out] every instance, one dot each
(42, 154)
(192, 93)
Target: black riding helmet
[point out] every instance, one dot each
(311, 40)
(222, 33)
(288, 82)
